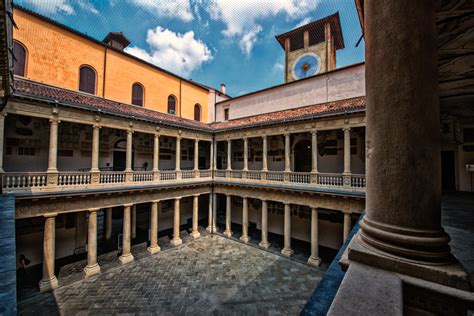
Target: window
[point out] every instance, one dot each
(197, 112)
(172, 104)
(226, 114)
(19, 62)
(87, 79)
(137, 94)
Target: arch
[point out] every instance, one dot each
(19, 62)
(197, 112)
(138, 94)
(302, 162)
(172, 104)
(87, 79)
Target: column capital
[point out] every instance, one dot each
(315, 132)
(346, 128)
(96, 126)
(130, 131)
(54, 119)
(178, 198)
(92, 210)
(196, 195)
(196, 140)
(178, 137)
(156, 135)
(264, 136)
(128, 205)
(314, 209)
(155, 201)
(50, 215)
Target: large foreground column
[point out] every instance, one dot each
(126, 256)
(49, 280)
(314, 259)
(245, 220)
(154, 248)
(108, 223)
(176, 241)
(287, 251)
(212, 228)
(195, 233)
(228, 217)
(347, 226)
(92, 267)
(264, 243)
(134, 221)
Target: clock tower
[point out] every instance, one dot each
(311, 49)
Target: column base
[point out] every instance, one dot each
(314, 261)
(211, 229)
(287, 252)
(176, 242)
(264, 245)
(48, 285)
(91, 270)
(195, 234)
(245, 239)
(153, 250)
(124, 259)
(228, 233)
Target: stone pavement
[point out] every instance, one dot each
(211, 275)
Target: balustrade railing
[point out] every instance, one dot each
(13, 180)
(204, 173)
(254, 175)
(236, 174)
(74, 178)
(358, 181)
(300, 177)
(220, 174)
(167, 175)
(188, 174)
(112, 177)
(143, 176)
(275, 176)
(330, 179)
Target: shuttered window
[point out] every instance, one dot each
(87, 79)
(137, 94)
(197, 112)
(172, 104)
(19, 62)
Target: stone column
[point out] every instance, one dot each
(128, 161)
(108, 223)
(154, 248)
(347, 226)
(212, 228)
(156, 158)
(264, 243)
(49, 280)
(264, 152)
(314, 157)
(314, 259)
(209, 215)
(2, 136)
(245, 220)
(287, 251)
(228, 216)
(81, 233)
(53, 152)
(213, 154)
(287, 153)
(403, 195)
(92, 267)
(347, 150)
(195, 233)
(196, 157)
(134, 221)
(178, 157)
(126, 256)
(176, 241)
(229, 155)
(246, 154)
(95, 148)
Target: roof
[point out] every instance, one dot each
(335, 28)
(352, 105)
(118, 37)
(38, 91)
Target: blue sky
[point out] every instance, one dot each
(211, 42)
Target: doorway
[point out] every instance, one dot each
(120, 158)
(303, 156)
(448, 175)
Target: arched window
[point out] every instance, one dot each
(172, 104)
(87, 79)
(137, 94)
(19, 63)
(197, 112)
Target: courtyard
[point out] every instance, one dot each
(210, 275)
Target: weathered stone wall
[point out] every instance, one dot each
(8, 255)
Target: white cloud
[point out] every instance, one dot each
(180, 9)
(85, 5)
(278, 66)
(51, 6)
(303, 22)
(242, 17)
(178, 53)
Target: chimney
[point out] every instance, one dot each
(116, 40)
(223, 90)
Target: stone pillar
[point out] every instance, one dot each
(196, 156)
(228, 216)
(156, 158)
(128, 161)
(195, 233)
(403, 195)
(81, 233)
(347, 150)
(134, 221)
(108, 223)
(347, 226)
(314, 157)
(213, 158)
(49, 280)
(2, 136)
(209, 215)
(212, 227)
(246, 154)
(95, 148)
(245, 220)
(126, 256)
(287, 153)
(264, 243)
(229, 155)
(53, 152)
(264, 152)
(154, 248)
(92, 267)
(287, 251)
(178, 157)
(314, 259)
(176, 241)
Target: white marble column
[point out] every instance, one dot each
(126, 256)
(134, 221)
(154, 248)
(228, 216)
(264, 152)
(314, 259)
(53, 146)
(196, 156)
(195, 232)
(176, 241)
(128, 161)
(246, 154)
(108, 223)
(95, 148)
(229, 154)
(347, 226)
(245, 220)
(287, 153)
(178, 153)
(314, 152)
(287, 251)
(212, 227)
(347, 150)
(264, 243)
(49, 280)
(2, 136)
(212, 158)
(92, 267)
(156, 157)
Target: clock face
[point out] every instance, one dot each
(306, 65)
